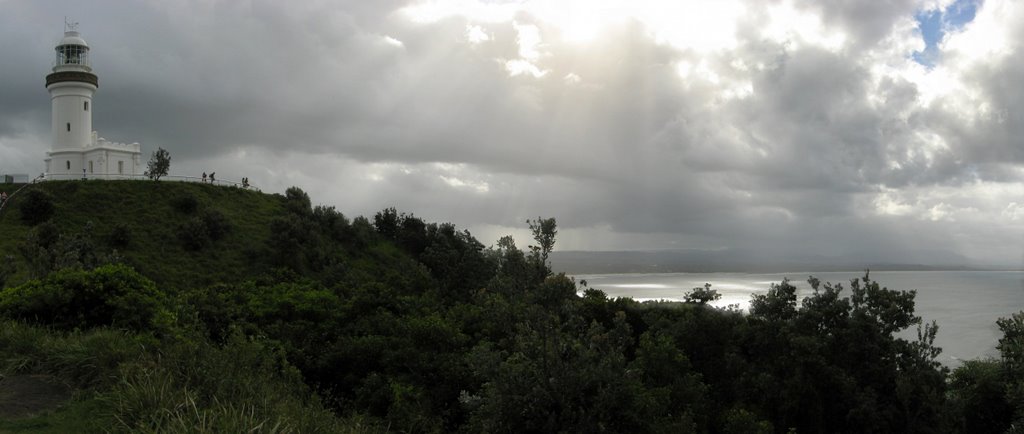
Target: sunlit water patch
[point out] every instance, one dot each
(966, 304)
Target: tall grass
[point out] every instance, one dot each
(137, 384)
(81, 359)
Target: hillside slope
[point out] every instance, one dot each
(144, 221)
(173, 307)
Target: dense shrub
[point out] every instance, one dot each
(193, 234)
(419, 325)
(182, 384)
(979, 388)
(1011, 348)
(120, 235)
(36, 207)
(200, 231)
(186, 203)
(217, 225)
(111, 295)
(46, 250)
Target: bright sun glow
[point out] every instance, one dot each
(788, 24)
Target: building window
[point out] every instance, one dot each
(69, 126)
(90, 167)
(69, 165)
(120, 167)
(86, 107)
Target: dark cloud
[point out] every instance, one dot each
(867, 21)
(783, 144)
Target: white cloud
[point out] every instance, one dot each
(520, 67)
(787, 24)
(476, 34)
(709, 124)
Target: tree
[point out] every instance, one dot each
(979, 389)
(544, 231)
(778, 304)
(159, 164)
(703, 295)
(297, 201)
(1011, 348)
(386, 222)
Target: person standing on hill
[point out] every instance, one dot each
(3, 197)
(204, 177)
(211, 177)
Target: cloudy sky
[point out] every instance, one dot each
(799, 127)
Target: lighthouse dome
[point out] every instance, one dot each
(73, 38)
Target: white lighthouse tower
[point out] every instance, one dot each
(77, 151)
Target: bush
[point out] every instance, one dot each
(216, 223)
(36, 207)
(193, 234)
(186, 203)
(111, 295)
(979, 389)
(120, 235)
(201, 231)
(46, 250)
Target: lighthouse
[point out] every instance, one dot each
(77, 151)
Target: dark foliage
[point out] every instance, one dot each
(186, 203)
(297, 201)
(120, 235)
(203, 230)
(194, 234)
(702, 295)
(47, 250)
(6, 269)
(35, 206)
(112, 295)
(419, 327)
(979, 388)
(217, 225)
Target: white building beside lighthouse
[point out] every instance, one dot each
(77, 151)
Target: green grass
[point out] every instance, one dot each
(148, 209)
(79, 415)
(138, 384)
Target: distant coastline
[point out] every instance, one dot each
(726, 261)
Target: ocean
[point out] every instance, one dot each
(966, 304)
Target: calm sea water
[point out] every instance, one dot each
(966, 304)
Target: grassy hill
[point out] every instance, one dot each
(173, 307)
(151, 217)
(183, 246)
